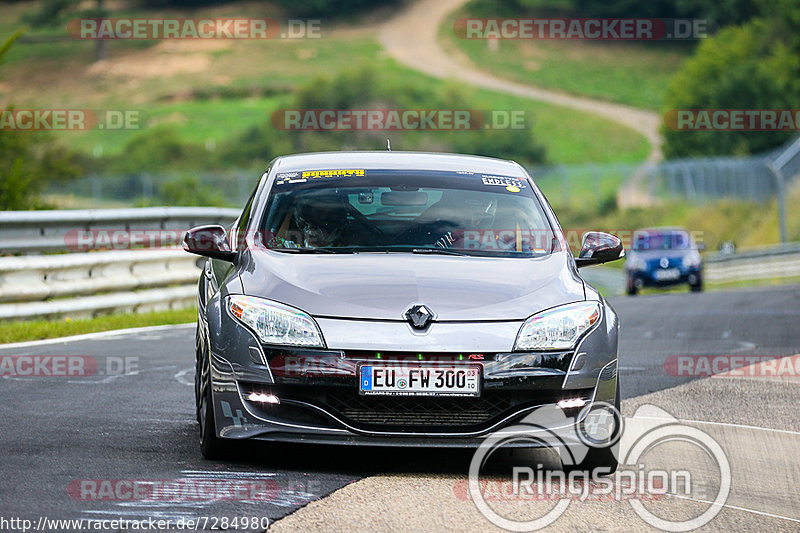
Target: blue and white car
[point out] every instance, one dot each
(663, 257)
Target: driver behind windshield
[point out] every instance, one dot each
(321, 219)
(387, 211)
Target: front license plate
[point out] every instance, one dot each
(668, 274)
(401, 380)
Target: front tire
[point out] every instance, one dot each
(631, 289)
(211, 446)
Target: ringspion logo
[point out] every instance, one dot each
(635, 482)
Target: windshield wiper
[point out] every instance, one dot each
(438, 251)
(306, 250)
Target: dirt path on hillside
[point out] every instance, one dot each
(411, 38)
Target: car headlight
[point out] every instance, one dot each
(275, 323)
(635, 263)
(559, 328)
(691, 260)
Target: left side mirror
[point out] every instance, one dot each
(209, 241)
(599, 247)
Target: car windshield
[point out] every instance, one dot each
(456, 213)
(661, 240)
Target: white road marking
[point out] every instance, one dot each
(726, 424)
(109, 379)
(164, 420)
(95, 335)
(180, 377)
(745, 509)
(214, 474)
(744, 345)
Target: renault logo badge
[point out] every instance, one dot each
(419, 316)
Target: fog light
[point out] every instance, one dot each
(260, 397)
(572, 403)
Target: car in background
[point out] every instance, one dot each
(663, 257)
(397, 299)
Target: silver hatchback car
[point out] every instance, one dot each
(396, 299)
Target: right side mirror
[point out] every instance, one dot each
(599, 247)
(209, 241)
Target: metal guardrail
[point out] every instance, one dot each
(753, 264)
(37, 278)
(50, 231)
(87, 284)
(781, 261)
(792, 248)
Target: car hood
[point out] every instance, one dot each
(383, 286)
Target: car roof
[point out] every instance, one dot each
(662, 229)
(398, 161)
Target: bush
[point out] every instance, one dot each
(187, 190)
(330, 8)
(739, 68)
(28, 163)
(159, 149)
(719, 13)
(362, 88)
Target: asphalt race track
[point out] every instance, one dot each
(69, 441)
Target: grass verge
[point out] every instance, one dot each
(30, 330)
(747, 224)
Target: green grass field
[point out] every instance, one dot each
(569, 136)
(29, 330)
(211, 91)
(630, 73)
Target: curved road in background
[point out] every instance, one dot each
(64, 436)
(412, 38)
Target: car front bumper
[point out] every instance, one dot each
(316, 399)
(650, 278)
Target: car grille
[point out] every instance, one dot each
(408, 413)
(418, 410)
